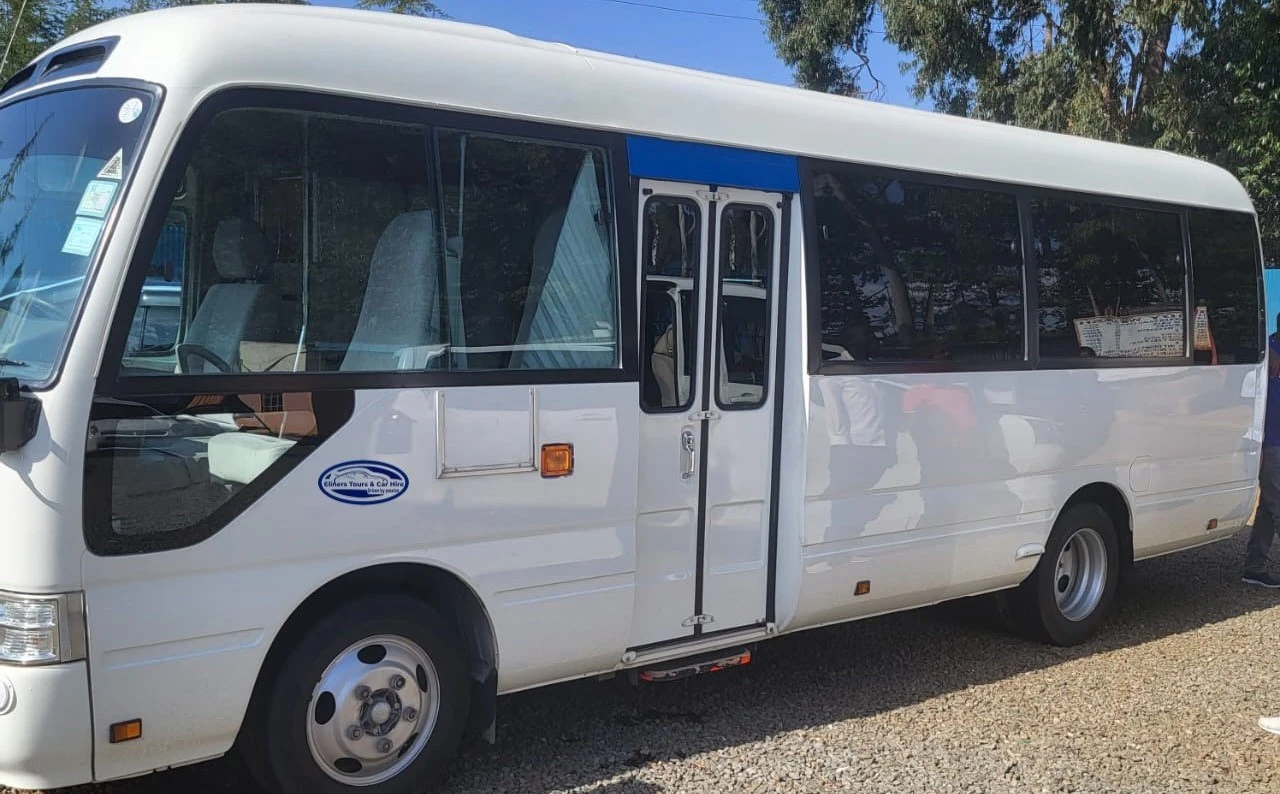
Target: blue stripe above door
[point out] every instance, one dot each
(701, 163)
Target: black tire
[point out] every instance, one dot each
(274, 743)
(1034, 605)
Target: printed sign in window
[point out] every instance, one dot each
(97, 197)
(82, 237)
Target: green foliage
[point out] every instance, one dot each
(42, 23)
(1197, 76)
(1235, 119)
(1090, 67)
(414, 8)
(817, 36)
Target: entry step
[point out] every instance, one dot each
(714, 662)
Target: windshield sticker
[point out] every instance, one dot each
(97, 199)
(130, 111)
(82, 237)
(363, 482)
(114, 169)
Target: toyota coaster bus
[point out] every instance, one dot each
(485, 363)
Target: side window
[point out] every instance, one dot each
(1112, 281)
(910, 271)
(153, 334)
(670, 264)
(529, 255)
(328, 243)
(309, 245)
(1225, 262)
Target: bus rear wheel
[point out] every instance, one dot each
(373, 697)
(1071, 592)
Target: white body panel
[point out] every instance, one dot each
(927, 518)
(574, 573)
(549, 558)
(48, 730)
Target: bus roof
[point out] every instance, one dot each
(199, 49)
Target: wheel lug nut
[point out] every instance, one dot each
(355, 733)
(363, 693)
(384, 745)
(397, 682)
(409, 714)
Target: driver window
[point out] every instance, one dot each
(153, 334)
(304, 242)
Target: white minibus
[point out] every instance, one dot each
(357, 370)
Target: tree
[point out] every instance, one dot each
(1235, 120)
(28, 26)
(1091, 67)
(416, 8)
(1197, 76)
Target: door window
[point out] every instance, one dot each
(671, 258)
(746, 280)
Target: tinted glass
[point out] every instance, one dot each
(153, 334)
(1112, 281)
(63, 159)
(300, 236)
(916, 272)
(166, 472)
(670, 266)
(746, 281)
(1224, 257)
(313, 242)
(529, 254)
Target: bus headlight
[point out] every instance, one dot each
(41, 629)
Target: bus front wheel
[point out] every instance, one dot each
(1070, 593)
(374, 696)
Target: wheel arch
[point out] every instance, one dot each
(1111, 499)
(457, 602)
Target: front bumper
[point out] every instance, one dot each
(46, 735)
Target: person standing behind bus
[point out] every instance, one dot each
(1264, 522)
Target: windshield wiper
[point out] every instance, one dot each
(8, 362)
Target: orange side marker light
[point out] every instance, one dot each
(557, 460)
(126, 731)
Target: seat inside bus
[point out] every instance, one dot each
(241, 305)
(398, 316)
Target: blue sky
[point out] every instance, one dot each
(732, 43)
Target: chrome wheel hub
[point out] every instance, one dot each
(1081, 574)
(379, 715)
(373, 710)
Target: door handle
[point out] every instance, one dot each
(689, 453)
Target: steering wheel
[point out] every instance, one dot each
(187, 349)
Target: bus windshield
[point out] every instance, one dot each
(63, 158)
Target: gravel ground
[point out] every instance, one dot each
(937, 700)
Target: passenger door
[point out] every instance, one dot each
(709, 266)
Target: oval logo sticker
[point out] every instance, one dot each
(363, 482)
(130, 110)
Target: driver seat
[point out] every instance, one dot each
(239, 307)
